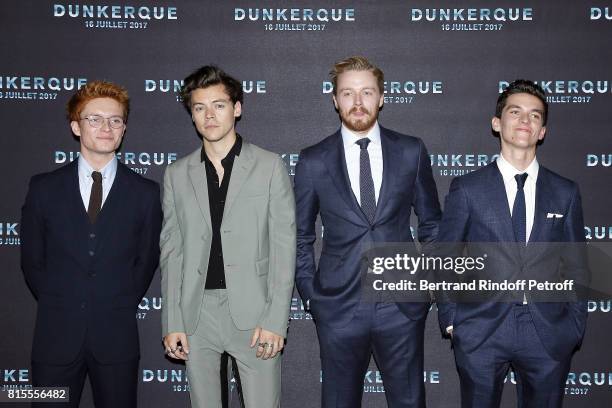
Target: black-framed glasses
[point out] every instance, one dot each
(96, 121)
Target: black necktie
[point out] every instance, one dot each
(95, 198)
(519, 216)
(366, 183)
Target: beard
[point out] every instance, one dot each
(361, 124)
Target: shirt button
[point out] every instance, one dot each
(91, 253)
(83, 305)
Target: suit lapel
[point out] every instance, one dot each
(241, 170)
(391, 160)
(197, 175)
(499, 204)
(542, 205)
(79, 221)
(336, 166)
(73, 192)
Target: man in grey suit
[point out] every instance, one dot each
(227, 250)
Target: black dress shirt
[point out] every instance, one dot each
(215, 278)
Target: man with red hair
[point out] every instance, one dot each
(90, 245)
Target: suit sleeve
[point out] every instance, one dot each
(426, 203)
(574, 263)
(171, 262)
(307, 210)
(451, 235)
(32, 236)
(148, 253)
(281, 227)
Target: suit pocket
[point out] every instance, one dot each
(262, 266)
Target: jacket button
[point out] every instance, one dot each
(92, 275)
(91, 253)
(92, 235)
(83, 305)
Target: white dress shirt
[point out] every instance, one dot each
(352, 153)
(85, 181)
(508, 172)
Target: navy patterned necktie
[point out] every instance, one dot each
(366, 183)
(519, 212)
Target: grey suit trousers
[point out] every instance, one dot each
(216, 333)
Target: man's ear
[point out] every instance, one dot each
(542, 133)
(237, 109)
(76, 129)
(496, 124)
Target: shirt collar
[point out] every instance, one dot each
(234, 151)
(107, 171)
(349, 137)
(508, 171)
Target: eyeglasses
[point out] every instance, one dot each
(96, 121)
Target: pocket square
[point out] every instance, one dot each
(554, 215)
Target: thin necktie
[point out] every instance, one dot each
(95, 198)
(366, 183)
(519, 212)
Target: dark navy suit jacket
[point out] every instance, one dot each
(88, 279)
(477, 211)
(322, 187)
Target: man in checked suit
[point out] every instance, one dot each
(529, 212)
(364, 181)
(228, 250)
(90, 246)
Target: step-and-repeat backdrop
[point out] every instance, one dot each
(444, 68)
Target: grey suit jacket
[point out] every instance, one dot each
(257, 235)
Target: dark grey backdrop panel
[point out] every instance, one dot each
(444, 66)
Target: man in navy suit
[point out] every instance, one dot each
(363, 181)
(528, 211)
(90, 245)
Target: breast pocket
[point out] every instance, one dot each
(555, 227)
